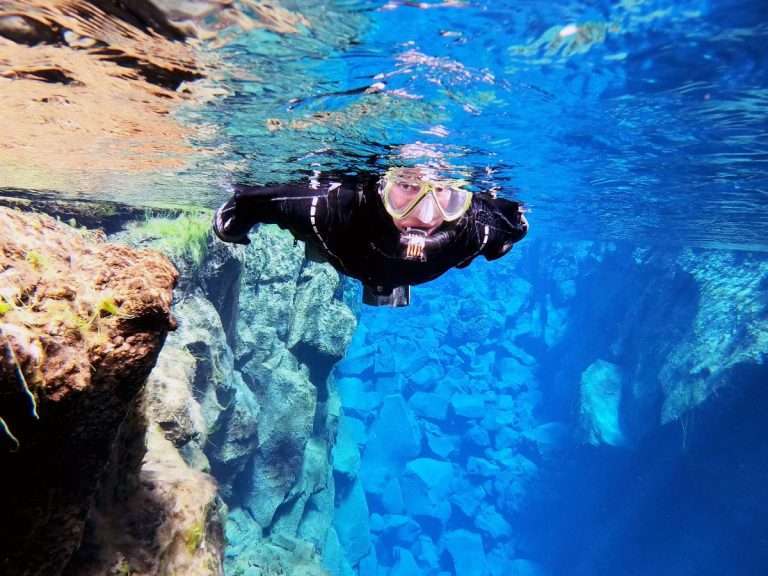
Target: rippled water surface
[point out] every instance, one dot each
(628, 120)
(640, 120)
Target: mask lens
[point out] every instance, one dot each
(401, 196)
(454, 201)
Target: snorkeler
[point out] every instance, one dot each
(390, 232)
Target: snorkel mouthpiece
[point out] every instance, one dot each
(412, 242)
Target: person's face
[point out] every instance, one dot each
(426, 215)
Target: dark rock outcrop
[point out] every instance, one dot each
(81, 324)
(242, 391)
(291, 330)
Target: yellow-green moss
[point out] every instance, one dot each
(193, 537)
(185, 236)
(123, 568)
(36, 260)
(5, 306)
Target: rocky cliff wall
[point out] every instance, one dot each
(81, 325)
(232, 430)
(259, 332)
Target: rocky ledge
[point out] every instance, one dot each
(81, 324)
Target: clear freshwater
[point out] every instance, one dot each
(614, 120)
(635, 132)
(594, 403)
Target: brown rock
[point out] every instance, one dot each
(81, 324)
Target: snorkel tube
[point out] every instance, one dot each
(417, 245)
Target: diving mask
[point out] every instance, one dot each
(423, 198)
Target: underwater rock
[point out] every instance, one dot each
(427, 376)
(161, 517)
(194, 375)
(428, 405)
(389, 384)
(369, 565)
(600, 415)
(358, 361)
(393, 439)
(317, 518)
(399, 528)
(405, 564)
(729, 328)
(163, 495)
(513, 375)
(333, 556)
(427, 553)
(468, 405)
(477, 438)
(426, 484)
(82, 323)
(481, 467)
(351, 523)
(321, 326)
(282, 431)
(489, 521)
(507, 438)
(346, 455)
(356, 397)
(272, 265)
(440, 444)
(289, 519)
(354, 428)
(291, 329)
(511, 483)
(248, 553)
(392, 497)
(235, 436)
(467, 497)
(466, 551)
(550, 438)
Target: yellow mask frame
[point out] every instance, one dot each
(426, 188)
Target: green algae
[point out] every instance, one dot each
(193, 537)
(36, 260)
(5, 306)
(186, 236)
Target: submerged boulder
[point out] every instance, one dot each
(283, 431)
(351, 523)
(81, 325)
(394, 438)
(466, 551)
(601, 385)
(405, 565)
(426, 484)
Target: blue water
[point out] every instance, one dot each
(631, 120)
(635, 133)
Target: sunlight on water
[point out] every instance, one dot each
(637, 120)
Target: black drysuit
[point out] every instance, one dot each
(342, 219)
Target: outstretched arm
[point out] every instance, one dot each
(299, 207)
(508, 226)
(499, 224)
